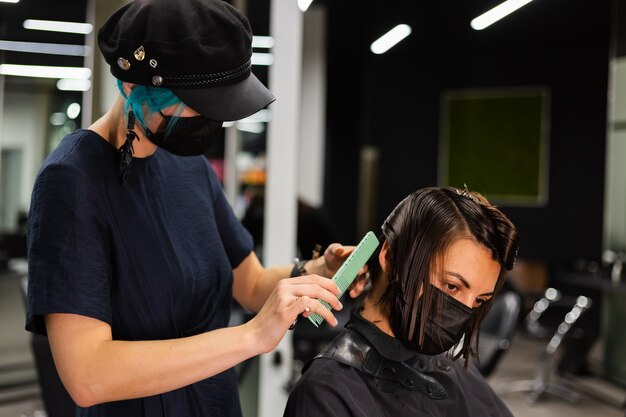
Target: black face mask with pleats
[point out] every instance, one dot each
(189, 136)
(448, 319)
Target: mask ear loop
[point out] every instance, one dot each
(127, 150)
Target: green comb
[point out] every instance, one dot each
(349, 270)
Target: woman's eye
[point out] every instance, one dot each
(451, 287)
(480, 301)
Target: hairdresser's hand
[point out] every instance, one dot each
(288, 300)
(334, 257)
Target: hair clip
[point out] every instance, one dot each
(465, 192)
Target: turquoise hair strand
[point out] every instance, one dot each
(153, 98)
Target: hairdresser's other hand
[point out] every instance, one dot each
(290, 298)
(334, 257)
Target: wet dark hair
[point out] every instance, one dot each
(418, 233)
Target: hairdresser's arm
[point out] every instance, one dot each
(95, 368)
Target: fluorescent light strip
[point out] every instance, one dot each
(45, 72)
(304, 4)
(390, 39)
(260, 58)
(262, 42)
(68, 84)
(45, 48)
(9, 1)
(492, 16)
(58, 26)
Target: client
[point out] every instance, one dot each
(442, 258)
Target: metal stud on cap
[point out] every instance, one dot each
(153, 63)
(123, 63)
(157, 80)
(140, 53)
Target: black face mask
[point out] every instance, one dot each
(189, 136)
(446, 323)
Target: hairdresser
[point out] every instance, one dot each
(135, 256)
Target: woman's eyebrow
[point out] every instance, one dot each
(466, 283)
(460, 278)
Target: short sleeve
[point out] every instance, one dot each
(69, 265)
(236, 239)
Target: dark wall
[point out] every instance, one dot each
(618, 18)
(391, 101)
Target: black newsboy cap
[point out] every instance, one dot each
(199, 49)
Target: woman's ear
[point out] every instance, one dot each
(382, 257)
(127, 87)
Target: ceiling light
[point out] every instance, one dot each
(9, 1)
(492, 16)
(45, 48)
(58, 118)
(45, 72)
(304, 4)
(68, 84)
(73, 110)
(58, 26)
(389, 39)
(260, 58)
(262, 42)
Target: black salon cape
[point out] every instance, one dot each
(331, 389)
(152, 258)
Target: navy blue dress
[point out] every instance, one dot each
(152, 258)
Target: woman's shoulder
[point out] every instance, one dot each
(457, 368)
(324, 375)
(78, 166)
(328, 388)
(82, 151)
(469, 384)
(320, 367)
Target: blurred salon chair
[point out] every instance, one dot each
(544, 381)
(497, 330)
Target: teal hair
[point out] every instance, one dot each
(153, 98)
